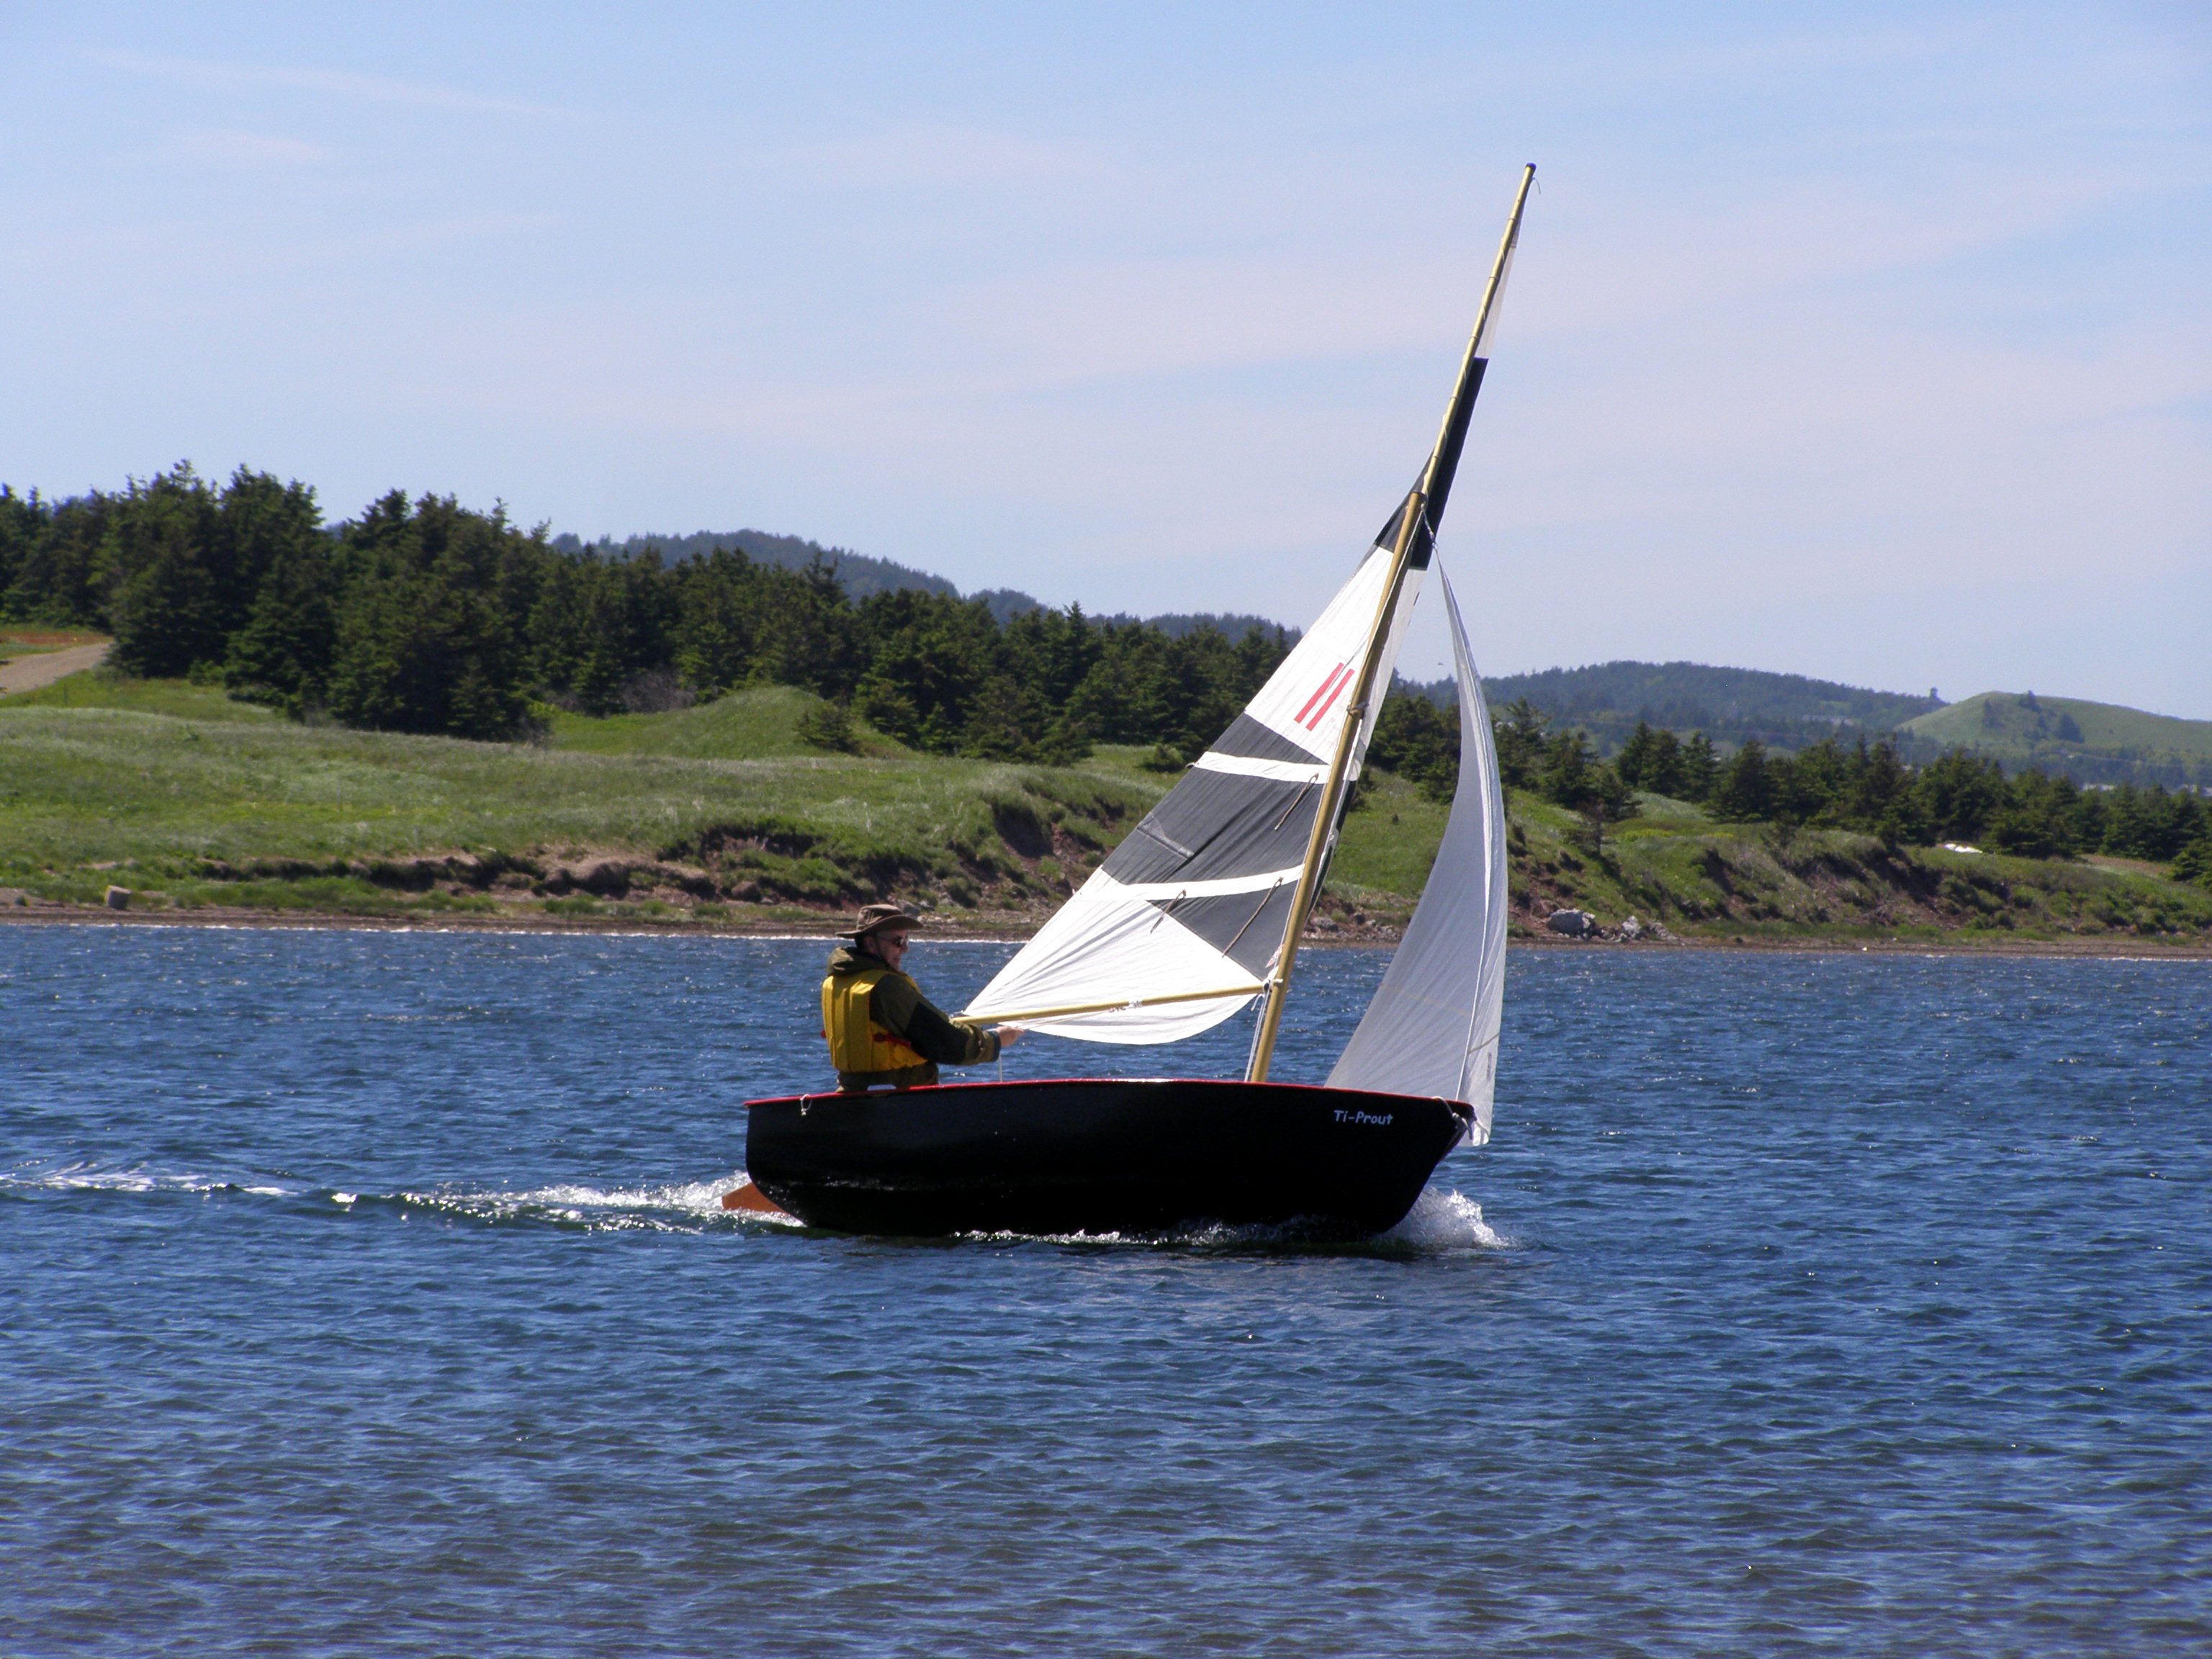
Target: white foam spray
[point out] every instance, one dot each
(131, 1178)
(680, 1207)
(1446, 1221)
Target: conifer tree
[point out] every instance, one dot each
(167, 597)
(1700, 767)
(282, 654)
(1876, 782)
(1743, 792)
(2194, 861)
(1959, 795)
(1662, 771)
(1518, 732)
(1634, 762)
(1419, 741)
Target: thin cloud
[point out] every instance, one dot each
(367, 86)
(398, 240)
(229, 147)
(935, 155)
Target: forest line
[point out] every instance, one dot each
(424, 615)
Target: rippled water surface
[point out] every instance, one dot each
(368, 1293)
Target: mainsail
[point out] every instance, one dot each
(1182, 924)
(1432, 1028)
(1199, 909)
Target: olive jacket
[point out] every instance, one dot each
(897, 1005)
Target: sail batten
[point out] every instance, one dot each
(1030, 1016)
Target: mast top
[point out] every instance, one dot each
(1486, 320)
(1443, 460)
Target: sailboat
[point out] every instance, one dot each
(1194, 917)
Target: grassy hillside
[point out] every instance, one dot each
(1702, 879)
(759, 724)
(720, 813)
(167, 786)
(2056, 732)
(1676, 866)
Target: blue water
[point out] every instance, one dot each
(366, 1293)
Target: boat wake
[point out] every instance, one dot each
(131, 1178)
(683, 1206)
(1441, 1221)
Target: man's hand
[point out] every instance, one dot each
(1008, 1035)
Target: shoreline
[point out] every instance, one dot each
(53, 915)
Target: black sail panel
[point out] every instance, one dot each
(1446, 466)
(1246, 928)
(1216, 826)
(1247, 739)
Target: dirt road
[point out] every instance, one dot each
(45, 667)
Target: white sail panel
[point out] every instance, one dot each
(1197, 898)
(1112, 942)
(1304, 699)
(1432, 1028)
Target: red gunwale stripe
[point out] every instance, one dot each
(881, 1095)
(1320, 714)
(1334, 675)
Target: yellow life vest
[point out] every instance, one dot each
(857, 1043)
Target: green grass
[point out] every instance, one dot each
(191, 794)
(2001, 723)
(1389, 841)
(191, 798)
(759, 723)
(1702, 878)
(176, 699)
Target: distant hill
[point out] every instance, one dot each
(1685, 694)
(862, 575)
(1235, 624)
(1729, 705)
(2090, 742)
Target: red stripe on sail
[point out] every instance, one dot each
(1314, 724)
(1335, 674)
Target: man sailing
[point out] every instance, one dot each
(881, 1028)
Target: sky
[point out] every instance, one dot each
(1870, 342)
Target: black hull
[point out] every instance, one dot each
(1099, 1155)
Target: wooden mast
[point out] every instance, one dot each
(1444, 462)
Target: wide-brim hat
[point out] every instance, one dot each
(874, 918)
